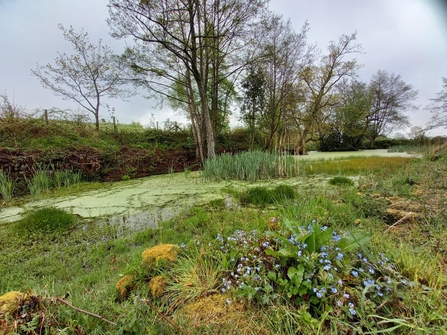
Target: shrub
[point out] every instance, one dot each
(46, 220)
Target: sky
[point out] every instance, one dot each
(405, 37)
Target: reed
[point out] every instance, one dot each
(6, 186)
(251, 166)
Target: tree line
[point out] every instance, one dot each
(209, 58)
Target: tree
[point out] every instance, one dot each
(91, 73)
(253, 100)
(282, 57)
(318, 87)
(348, 120)
(196, 44)
(438, 108)
(391, 98)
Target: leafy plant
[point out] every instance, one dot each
(312, 266)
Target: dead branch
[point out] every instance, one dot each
(172, 323)
(86, 312)
(400, 221)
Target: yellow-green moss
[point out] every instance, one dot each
(157, 286)
(161, 252)
(10, 302)
(124, 286)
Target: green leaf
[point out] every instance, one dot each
(310, 241)
(296, 275)
(354, 241)
(280, 253)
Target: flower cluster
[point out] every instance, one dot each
(308, 265)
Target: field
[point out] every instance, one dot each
(341, 246)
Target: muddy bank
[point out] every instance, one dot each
(96, 165)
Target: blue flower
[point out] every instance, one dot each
(351, 309)
(339, 256)
(354, 273)
(324, 228)
(368, 282)
(327, 267)
(334, 289)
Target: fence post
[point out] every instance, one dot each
(114, 122)
(46, 116)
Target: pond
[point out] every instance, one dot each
(145, 202)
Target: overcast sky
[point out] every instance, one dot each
(405, 37)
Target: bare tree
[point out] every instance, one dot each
(318, 86)
(91, 73)
(282, 57)
(438, 108)
(392, 98)
(193, 43)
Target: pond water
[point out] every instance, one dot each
(363, 153)
(145, 202)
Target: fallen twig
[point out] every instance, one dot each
(172, 323)
(400, 221)
(86, 312)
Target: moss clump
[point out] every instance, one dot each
(160, 253)
(10, 302)
(157, 286)
(124, 286)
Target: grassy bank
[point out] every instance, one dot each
(364, 258)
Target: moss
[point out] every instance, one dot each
(10, 302)
(157, 286)
(161, 252)
(124, 286)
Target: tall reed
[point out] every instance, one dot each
(251, 166)
(6, 186)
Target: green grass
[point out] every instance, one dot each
(45, 221)
(87, 259)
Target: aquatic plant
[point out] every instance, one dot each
(7, 186)
(251, 166)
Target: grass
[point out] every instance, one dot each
(217, 244)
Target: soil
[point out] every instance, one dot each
(110, 165)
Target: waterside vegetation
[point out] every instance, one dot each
(361, 258)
